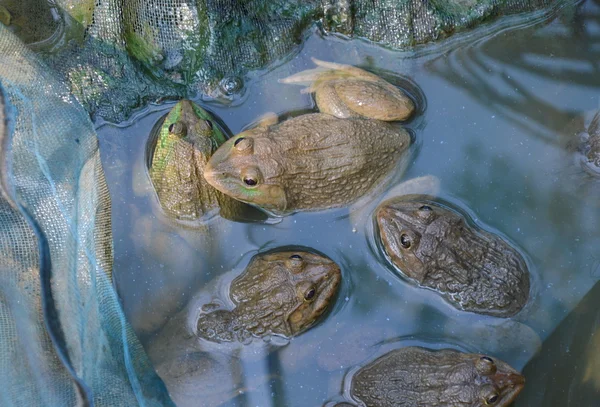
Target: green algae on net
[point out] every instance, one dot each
(117, 57)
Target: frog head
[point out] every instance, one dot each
(245, 168)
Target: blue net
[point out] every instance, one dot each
(63, 336)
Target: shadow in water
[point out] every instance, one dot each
(568, 366)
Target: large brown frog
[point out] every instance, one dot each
(177, 151)
(588, 147)
(433, 245)
(280, 294)
(415, 376)
(319, 160)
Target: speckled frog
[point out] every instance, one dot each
(320, 160)
(200, 354)
(280, 293)
(178, 149)
(415, 376)
(434, 246)
(588, 147)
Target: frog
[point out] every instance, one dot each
(587, 147)
(177, 151)
(439, 248)
(414, 376)
(281, 294)
(323, 160)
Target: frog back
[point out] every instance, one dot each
(326, 162)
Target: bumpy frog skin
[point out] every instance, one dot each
(590, 147)
(473, 269)
(279, 293)
(345, 91)
(415, 376)
(181, 147)
(317, 161)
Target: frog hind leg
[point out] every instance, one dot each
(369, 99)
(345, 91)
(346, 98)
(367, 94)
(309, 78)
(324, 72)
(328, 101)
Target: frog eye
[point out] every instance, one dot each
(425, 208)
(250, 177)
(490, 395)
(492, 399)
(296, 256)
(310, 294)
(177, 129)
(405, 240)
(243, 144)
(485, 365)
(408, 240)
(208, 124)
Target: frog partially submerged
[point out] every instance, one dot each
(588, 147)
(280, 293)
(319, 160)
(200, 353)
(433, 245)
(416, 376)
(177, 152)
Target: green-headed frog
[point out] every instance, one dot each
(415, 376)
(177, 152)
(319, 160)
(281, 294)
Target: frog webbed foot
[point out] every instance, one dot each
(345, 91)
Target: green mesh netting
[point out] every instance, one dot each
(117, 55)
(63, 336)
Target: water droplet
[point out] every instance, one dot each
(231, 84)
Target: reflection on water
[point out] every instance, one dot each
(566, 372)
(501, 107)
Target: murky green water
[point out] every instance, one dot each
(502, 104)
